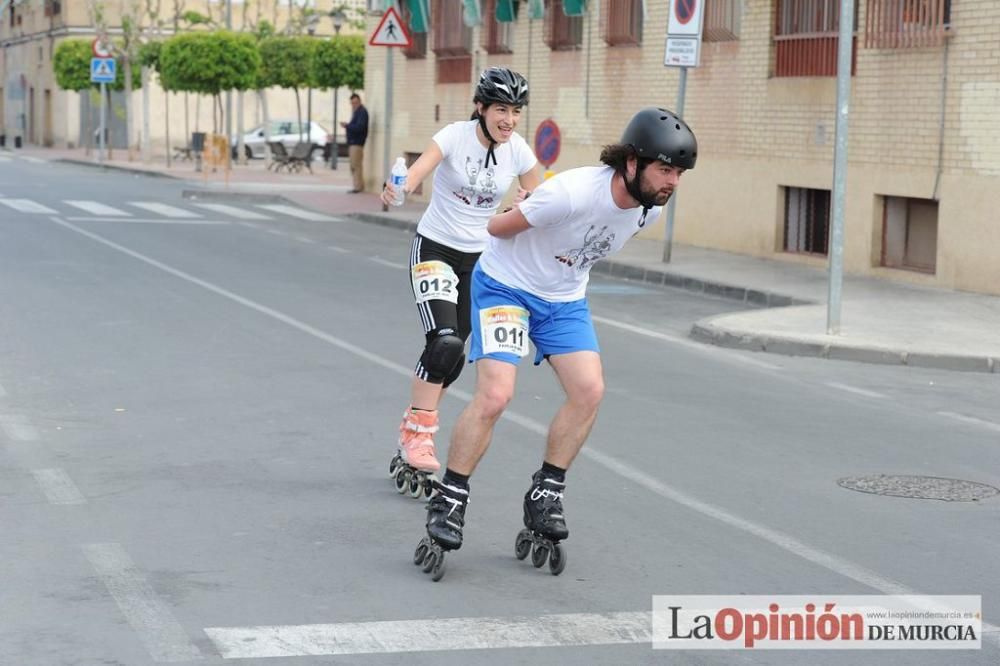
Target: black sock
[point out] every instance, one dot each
(552, 472)
(453, 478)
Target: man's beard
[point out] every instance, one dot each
(653, 196)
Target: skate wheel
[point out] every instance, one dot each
(394, 466)
(437, 573)
(430, 560)
(428, 489)
(401, 481)
(539, 555)
(415, 486)
(419, 553)
(522, 544)
(557, 560)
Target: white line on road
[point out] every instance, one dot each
(856, 390)
(17, 428)
(165, 210)
(27, 206)
(972, 420)
(3, 391)
(58, 487)
(233, 211)
(141, 220)
(303, 239)
(390, 264)
(784, 541)
(689, 344)
(97, 208)
(342, 250)
(300, 213)
(35, 160)
(159, 631)
(469, 633)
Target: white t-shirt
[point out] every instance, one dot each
(574, 223)
(466, 191)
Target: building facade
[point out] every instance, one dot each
(923, 181)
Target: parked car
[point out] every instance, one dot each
(287, 132)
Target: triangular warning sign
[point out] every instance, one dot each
(390, 31)
(104, 68)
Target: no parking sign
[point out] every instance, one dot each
(548, 141)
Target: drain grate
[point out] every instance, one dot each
(919, 487)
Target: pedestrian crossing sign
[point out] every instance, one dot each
(390, 31)
(102, 70)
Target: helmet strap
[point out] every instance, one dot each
(489, 151)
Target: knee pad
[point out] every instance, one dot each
(455, 372)
(441, 353)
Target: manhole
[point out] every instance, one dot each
(919, 487)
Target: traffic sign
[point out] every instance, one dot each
(390, 31)
(548, 140)
(100, 48)
(685, 17)
(102, 70)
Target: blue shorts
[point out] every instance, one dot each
(499, 313)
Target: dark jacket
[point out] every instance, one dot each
(357, 128)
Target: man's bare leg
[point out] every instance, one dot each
(581, 376)
(474, 428)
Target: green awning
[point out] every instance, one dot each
(472, 13)
(507, 11)
(536, 9)
(420, 15)
(574, 7)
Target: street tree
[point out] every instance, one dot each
(288, 63)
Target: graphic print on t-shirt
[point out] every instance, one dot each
(596, 246)
(482, 188)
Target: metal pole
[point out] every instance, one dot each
(668, 247)
(844, 48)
(388, 114)
(336, 128)
(100, 136)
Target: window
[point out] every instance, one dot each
(894, 24)
(909, 234)
(805, 38)
(418, 40)
(562, 33)
(722, 20)
(807, 220)
(621, 21)
(452, 42)
(497, 37)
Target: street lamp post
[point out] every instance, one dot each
(338, 22)
(311, 28)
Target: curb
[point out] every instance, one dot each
(384, 220)
(706, 332)
(115, 167)
(229, 195)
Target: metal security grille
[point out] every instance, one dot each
(895, 24)
(621, 21)
(722, 20)
(451, 36)
(497, 37)
(418, 40)
(805, 37)
(562, 32)
(807, 220)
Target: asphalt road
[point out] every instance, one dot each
(198, 409)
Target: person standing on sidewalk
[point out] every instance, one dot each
(357, 133)
(530, 284)
(476, 162)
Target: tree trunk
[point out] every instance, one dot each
(240, 156)
(146, 148)
(166, 110)
(127, 67)
(262, 94)
(298, 105)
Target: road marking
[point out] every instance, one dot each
(467, 633)
(27, 206)
(163, 209)
(150, 617)
(972, 420)
(3, 391)
(35, 160)
(854, 389)
(301, 213)
(689, 344)
(17, 428)
(342, 250)
(390, 264)
(303, 239)
(788, 543)
(140, 220)
(238, 213)
(98, 208)
(58, 487)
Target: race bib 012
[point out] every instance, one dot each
(504, 328)
(434, 281)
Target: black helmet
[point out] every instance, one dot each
(658, 134)
(503, 86)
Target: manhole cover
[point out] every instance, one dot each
(919, 487)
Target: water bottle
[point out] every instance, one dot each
(397, 178)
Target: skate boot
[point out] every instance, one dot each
(445, 519)
(413, 467)
(544, 524)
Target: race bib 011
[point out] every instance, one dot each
(504, 328)
(434, 281)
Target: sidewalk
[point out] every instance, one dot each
(882, 321)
